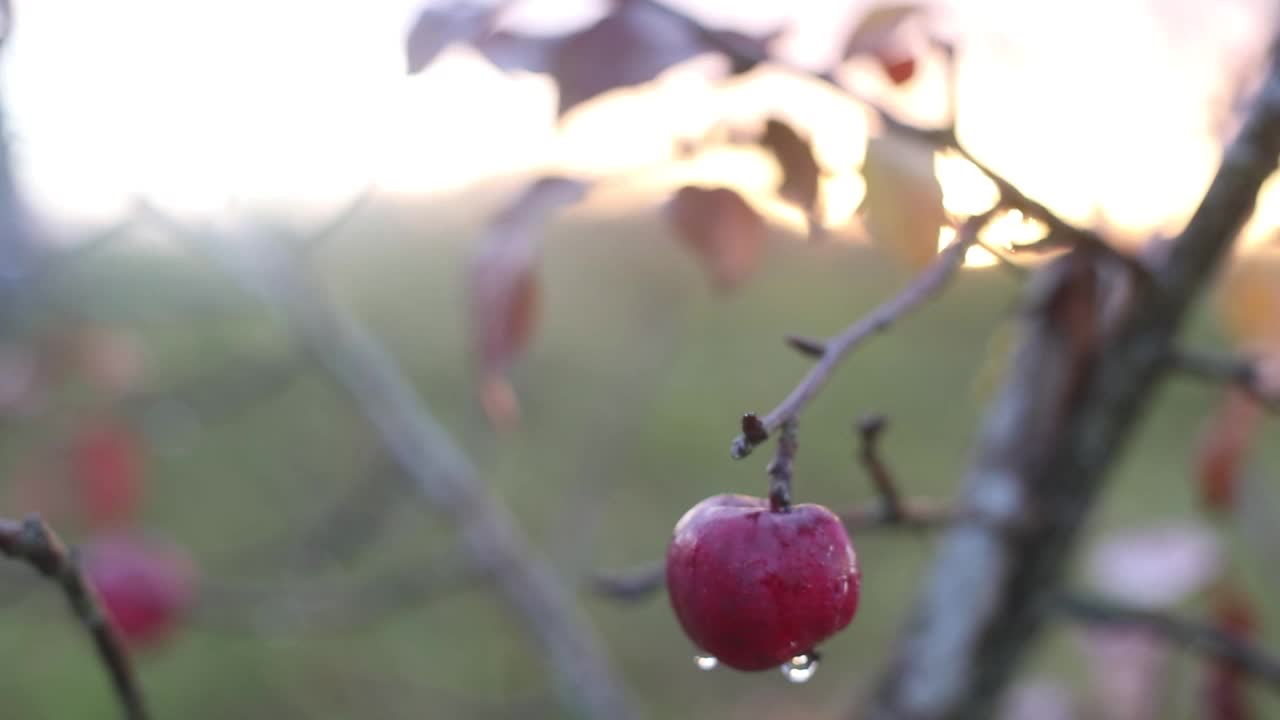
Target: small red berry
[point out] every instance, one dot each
(145, 586)
(899, 69)
(755, 588)
(107, 464)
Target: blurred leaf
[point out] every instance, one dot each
(903, 204)
(503, 289)
(106, 462)
(875, 31)
(745, 49)
(1224, 445)
(1226, 694)
(442, 25)
(1127, 669)
(722, 229)
(801, 174)
(1249, 301)
(1157, 567)
(515, 51)
(629, 46)
(1038, 699)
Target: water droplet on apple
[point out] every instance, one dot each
(801, 668)
(705, 662)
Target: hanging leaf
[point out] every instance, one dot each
(629, 46)
(723, 230)
(106, 466)
(1226, 695)
(1223, 449)
(875, 32)
(503, 290)
(903, 204)
(801, 175)
(440, 26)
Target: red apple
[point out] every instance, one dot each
(754, 587)
(899, 69)
(145, 586)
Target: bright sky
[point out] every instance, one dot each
(1098, 107)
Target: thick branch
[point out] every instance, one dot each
(834, 351)
(437, 468)
(35, 544)
(1199, 637)
(1078, 383)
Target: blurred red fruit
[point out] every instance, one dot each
(145, 586)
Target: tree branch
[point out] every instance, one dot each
(1077, 385)
(1199, 637)
(35, 544)
(1242, 372)
(834, 351)
(437, 468)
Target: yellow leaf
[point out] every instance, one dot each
(903, 204)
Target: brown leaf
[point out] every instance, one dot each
(503, 289)
(1223, 449)
(629, 46)
(1226, 694)
(440, 26)
(801, 175)
(722, 229)
(874, 32)
(903, 204)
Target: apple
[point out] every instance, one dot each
(145, 586)
(754, 587)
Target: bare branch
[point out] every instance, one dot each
(869, 431)
(437, 468)
(631, 585)
(922, 288)
(35, 544)
(1072, 397)
(1242, 372)
(913, 514)
(1198, 637)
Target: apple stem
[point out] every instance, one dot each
(780, 467)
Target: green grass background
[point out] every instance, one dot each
(630, 393)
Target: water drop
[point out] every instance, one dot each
(705, 662)
(800, 669)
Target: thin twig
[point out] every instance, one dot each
(1243, 372)
(1198, 637)
(631, 585)
(36, 544)
(923, 287)
(780, 468)
(315, 240)
(869, 431)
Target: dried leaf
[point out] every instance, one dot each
(629, 46)
(1249, 301)
(1223, 449)
(722, 229)
(801, 174)
(1226, 694)
(903, 204)
(503, 289)
(440, 26)
(875, 31)
(1157, 567)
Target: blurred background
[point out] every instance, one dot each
(145, 393)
